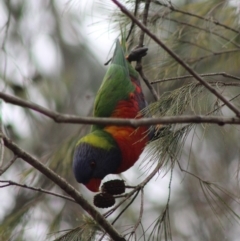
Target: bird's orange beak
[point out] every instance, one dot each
(93, 184)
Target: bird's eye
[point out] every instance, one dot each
(92, 164)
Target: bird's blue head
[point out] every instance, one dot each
(96, 155)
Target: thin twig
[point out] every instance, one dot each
(1, 149)
(12, 183)
(133, 24)
(190, 76)
(219, 83)
(172, 8)
(144, 20)
(177, 58)
(70, 190)
(139, 67)
(4, 169)
(165, 214)
(194, 60)
(141, 212)
(125, 208)
(191, 174)
(219, 107)
(169, 187)
(7, 24)
(200, 28)
(211, 190)
(147, 82)
(4, 44)
(137, 188)
(112, 210)
(194, 44)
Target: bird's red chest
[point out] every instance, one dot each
(130, 140)
(126, 108)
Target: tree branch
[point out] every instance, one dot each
(59, 181)
(178, 59)
(63, 118)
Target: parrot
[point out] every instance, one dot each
(111, 149)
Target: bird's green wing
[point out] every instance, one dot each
(116, 85)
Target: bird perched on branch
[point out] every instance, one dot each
(110, 149)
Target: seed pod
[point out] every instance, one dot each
(103, 200)
(137, 53)
(114, 187)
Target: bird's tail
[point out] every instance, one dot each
(119, 57)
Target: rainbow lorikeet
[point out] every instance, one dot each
(110, 149)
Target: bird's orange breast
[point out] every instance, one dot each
(130, 140)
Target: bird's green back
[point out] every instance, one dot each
(116, 85)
